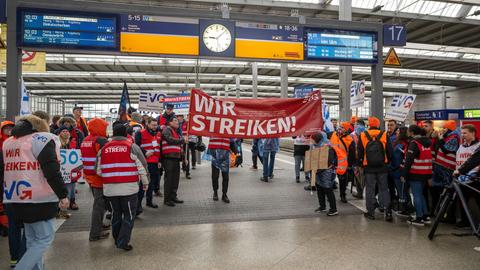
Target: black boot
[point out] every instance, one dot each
(215, 196)
(225, 198)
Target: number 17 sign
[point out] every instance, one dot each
(394, 35)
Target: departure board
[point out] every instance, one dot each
(58, 29)
(341, 46)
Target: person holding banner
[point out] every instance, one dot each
(166, 116)
(268, 148)
(149, 141)
(90, 147)
(219, 149)
(121, 164)
(325, 178)
(344, 147)
(171, 152)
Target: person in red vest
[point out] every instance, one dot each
(90, 147)
(171, 152)
(166, 116)
(5, 131)
(121, 165)
(148, 139)
(417, 170)
(219, 149)
(447, 146)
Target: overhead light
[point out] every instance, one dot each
(377, 8)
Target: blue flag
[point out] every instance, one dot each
(122, 110)
(327, 123)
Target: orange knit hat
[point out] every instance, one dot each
(450, 124)
(346, 125)
(353, 120)
(374, 122)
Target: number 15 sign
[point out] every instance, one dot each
(394, 35)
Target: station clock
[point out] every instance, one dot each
(217, 38)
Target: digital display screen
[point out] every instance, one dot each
(56, 29)
(341, 45)
(471, 114)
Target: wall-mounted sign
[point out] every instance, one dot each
(394, 35)
(159, 35)
(67, 30)
(269, 41)
(392, 59)
(340, 45)
(470, 114)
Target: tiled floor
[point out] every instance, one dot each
(209, 240)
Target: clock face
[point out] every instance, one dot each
(217, 38)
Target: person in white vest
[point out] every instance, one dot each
(469, 145)
(34, 187)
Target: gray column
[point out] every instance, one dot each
(376, 104)
(14, 64)
(63, 107)
(410, 88)
(226, 90)
(254, 80)
(444, 99)
(284, 80)
(345, 74)
(237, 86)
(197, 74)
(1, 102)
(410, 117)
(49, 106)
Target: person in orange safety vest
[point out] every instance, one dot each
(344, 146)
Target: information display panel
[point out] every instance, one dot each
(269, 41)
(159, 35)
(340, 45)
(67, 30)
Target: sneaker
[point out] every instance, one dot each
(403, 213)
(63, 215)
(13, 263)
(254, 168)
(476, 249)
(264, 179)
(368, 216)
(332, 213)
(271, 176)
(320, 209)
(126, 248)
(416, 222)
(73, 206)
(188, 176)
(194, 168)
(427, 220)
(104, 235)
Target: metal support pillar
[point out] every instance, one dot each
(345, 74)
(226, 91)
(444, 99)
(14, 64)
(410, 88)
(63, 107)
(2, 116)
(254, 80)
(49, 106)
(410, 114)
(284, 80)
(237, 86)
(376, 104)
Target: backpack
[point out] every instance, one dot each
(374, 151)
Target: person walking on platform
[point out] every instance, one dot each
(268, 148)
(43, 190)
(392, 128)
(149, 141)
(121, 165)
(444, 164)
(171, 151)
(418, 170)
(219, 149)
(255, 154)
(358, 171)
(398, 159)
(325, 178)
(300, 146)
(344, 147)
(374, 152)
(90, 147)
(432, 134)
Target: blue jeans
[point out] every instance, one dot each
(71, 191)
(418, 198)
(268, 163)
(402, 190)
(39, 236)
(16, 239)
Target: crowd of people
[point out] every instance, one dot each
(123, 169)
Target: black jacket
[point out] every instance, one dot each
(412, 153)
(33, 212)
(471, 163)
(388, 153)
(168, 137)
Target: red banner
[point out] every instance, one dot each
(254, 118)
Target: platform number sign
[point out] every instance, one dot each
(394, 35)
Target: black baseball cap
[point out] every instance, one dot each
(169, 106)
(77, 108)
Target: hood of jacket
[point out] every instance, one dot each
(67, 119)
(423, 141)
(29, 124)
(97, 127)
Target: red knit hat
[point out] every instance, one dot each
(373, 122)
